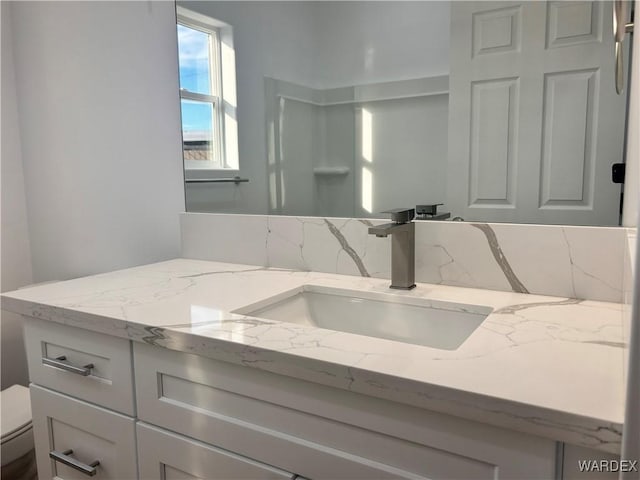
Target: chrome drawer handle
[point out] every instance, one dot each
(63, 457)
(58, 363)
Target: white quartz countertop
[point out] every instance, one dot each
(544, 365)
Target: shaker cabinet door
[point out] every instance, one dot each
(83, 364)
(168, 456)
(76, 440)
(322, 433)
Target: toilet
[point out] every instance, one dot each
(17, 454)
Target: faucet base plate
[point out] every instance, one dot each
(403, 288)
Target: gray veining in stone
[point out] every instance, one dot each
(515, 308)
(494, 245)
(204, 274)
(347, 248)
(575, 267)
(156, 335)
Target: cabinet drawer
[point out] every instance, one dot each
(93, 434)
(109, 382)
(320, 432)
(168, 456)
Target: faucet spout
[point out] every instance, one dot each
(402, 251)
(384, 229)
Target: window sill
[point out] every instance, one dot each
(202, 173)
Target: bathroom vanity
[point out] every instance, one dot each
(158, 372)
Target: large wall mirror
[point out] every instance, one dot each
(499, 111)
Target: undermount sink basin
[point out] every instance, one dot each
(430, 323)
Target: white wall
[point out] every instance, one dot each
(370, 42)
(408, 158)
(97, 87)
(15, 260)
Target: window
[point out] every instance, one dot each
(207, 93)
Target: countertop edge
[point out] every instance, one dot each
(557, 425)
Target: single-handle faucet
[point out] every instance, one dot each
(403, 246)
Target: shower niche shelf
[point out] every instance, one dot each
(331, 171)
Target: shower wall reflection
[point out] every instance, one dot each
(356, 151)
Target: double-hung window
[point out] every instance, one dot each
(206, 111)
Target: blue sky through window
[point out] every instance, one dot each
(195, 76)
(197, 117)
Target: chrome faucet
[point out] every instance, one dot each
(403, 246)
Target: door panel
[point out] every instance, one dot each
(568, 158)
(493, 129)
(534, 120)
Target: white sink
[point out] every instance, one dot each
(431, 323)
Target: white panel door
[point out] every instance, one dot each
(534, 120)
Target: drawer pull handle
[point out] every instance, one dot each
(58, 363)
(64, 457)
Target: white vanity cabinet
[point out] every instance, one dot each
(147, 412)
(82, 402)
(320, 432)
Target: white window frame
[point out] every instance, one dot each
(209, 26)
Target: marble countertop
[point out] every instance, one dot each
(544, 365)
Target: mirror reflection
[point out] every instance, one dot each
(497, 111)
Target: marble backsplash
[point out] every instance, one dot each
(566, 261)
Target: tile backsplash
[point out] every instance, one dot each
(565, 261)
